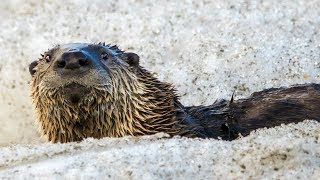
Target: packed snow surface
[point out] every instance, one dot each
(207, 49)
(291, 151)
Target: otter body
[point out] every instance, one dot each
(84, 90)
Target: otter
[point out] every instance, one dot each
(82, 90)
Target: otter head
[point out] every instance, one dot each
(73, 69)
(95, 90)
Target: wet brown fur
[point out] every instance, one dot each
(267, 108)
(133, 102)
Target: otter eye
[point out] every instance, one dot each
(104, 56)
(47, 58)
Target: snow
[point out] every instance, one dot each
(261, 155)
(207, 49)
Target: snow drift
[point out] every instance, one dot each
(291, 151)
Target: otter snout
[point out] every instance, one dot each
(73, 61)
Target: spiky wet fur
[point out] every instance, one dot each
(133, 104)
(128, 100)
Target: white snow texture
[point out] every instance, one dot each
(207, 49)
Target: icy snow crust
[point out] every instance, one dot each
(291, 151)
(207, 49)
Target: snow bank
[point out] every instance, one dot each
(263, 154)
(206, 48)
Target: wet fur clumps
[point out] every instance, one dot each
(84, 90)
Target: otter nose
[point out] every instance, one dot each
(73, 60)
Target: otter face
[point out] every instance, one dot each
(96, 90)
(73, 69)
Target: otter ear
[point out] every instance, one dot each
(132, 59)
(32, 67)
